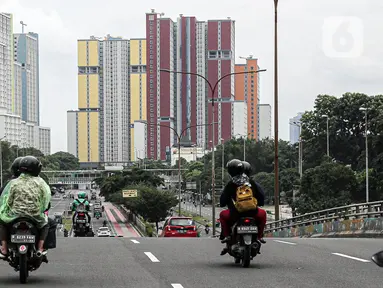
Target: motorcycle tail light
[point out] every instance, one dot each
(81, 214)
(247, 220)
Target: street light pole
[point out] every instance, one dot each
(328, 134)
(223, 161)
(365, 131)
(276, 137)
(213, 89)
(1, 162)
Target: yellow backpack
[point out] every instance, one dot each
(245, 201)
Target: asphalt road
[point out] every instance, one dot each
(195, 263)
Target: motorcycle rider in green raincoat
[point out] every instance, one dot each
(80, 200)
(26, 196)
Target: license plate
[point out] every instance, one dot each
(23, 238)
(81, 221)
(182, 231)
(247, 229)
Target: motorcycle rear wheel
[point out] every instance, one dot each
(246, 256)
(23, 262)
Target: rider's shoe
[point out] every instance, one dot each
(263, 241)
(224, 251)
(226, 239)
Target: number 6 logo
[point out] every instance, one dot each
(342, 37)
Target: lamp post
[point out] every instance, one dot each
(300, 148)
(276, 137)
(365, 131)
(223, 161)
(179, 155)
(1, 162)
(328, 135)
(213, 88)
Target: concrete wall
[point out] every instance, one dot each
(368, 227)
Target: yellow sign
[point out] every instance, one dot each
(129, 193)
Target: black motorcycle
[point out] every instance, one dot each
(81, 225)
(23, 255)
(244, 245)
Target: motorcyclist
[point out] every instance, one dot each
(27, 196)
(229, 216)
(15, 172)
(81, 199)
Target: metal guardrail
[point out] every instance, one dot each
(138, 222)
(354, 211)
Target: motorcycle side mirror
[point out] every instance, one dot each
(378, 258)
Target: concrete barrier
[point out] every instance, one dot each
(363, 228)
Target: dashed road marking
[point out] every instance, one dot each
(152, 257)
(135, 241)
(177, 285)
(351, 257)
(285, 242)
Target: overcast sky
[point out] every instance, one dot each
(311, 58)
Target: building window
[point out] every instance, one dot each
(213, 54)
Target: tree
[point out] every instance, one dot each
(117, 181)
(326, 186)
(266, 180)
(152, 204)
(61, 161)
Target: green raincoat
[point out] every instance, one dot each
(77, 202)
(26, 196)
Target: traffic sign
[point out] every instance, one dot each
(129, 193)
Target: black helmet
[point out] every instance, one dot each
(15, 167)
(234, 167)
(247, 169)
(30, 165)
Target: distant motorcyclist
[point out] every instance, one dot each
(26, 196)
(229, 216)
(15, 170)
(81, 199)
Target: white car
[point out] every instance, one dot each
(103, 232)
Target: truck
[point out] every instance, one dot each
(97, 211)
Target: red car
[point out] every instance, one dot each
(179, 227)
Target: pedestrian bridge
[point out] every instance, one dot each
(87, 176)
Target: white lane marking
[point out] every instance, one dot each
(151, 257)
(135, 241)
(285, 242)
(350, 257)
(177, 285)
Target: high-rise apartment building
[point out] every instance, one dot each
(138, 98)
(264, 121)
(239, 119)
(191, 89)
(247, 89)
(116, 101)
(19, 88)
(6, 61)
(26, 52)
(161, 86)
(85, 125)
(295, 128)
(220, 62)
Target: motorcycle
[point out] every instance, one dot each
(244, 245)
(80, 225)
(97, 215)
(23, 255)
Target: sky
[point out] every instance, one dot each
(324, 47)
